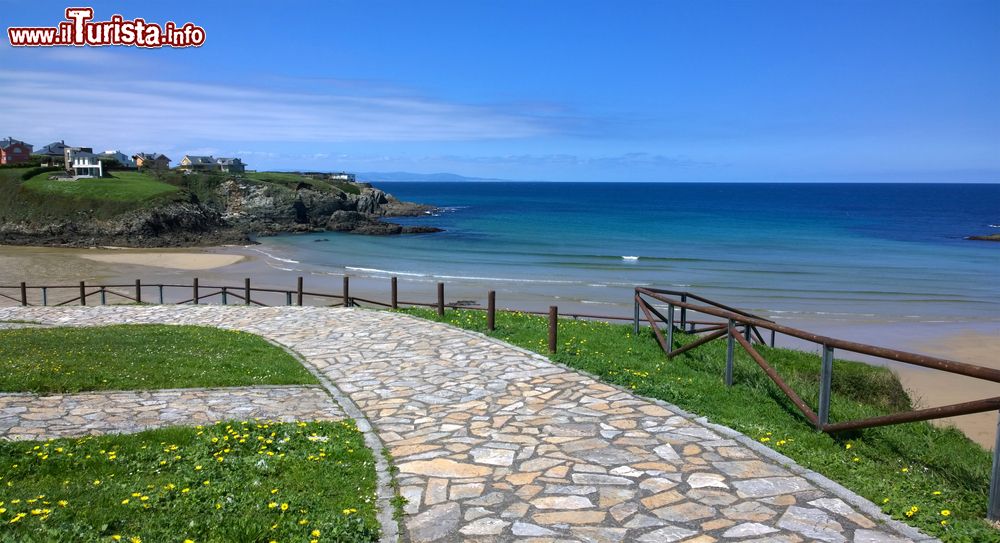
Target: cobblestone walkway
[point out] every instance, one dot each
(30, 416)
(497, 444)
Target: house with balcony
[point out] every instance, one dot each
(14, 151)
(83, 163)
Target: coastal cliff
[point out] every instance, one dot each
(190, 210)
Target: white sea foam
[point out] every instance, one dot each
(278, 258)
(386, 272)
(508, 279)
(995, 226)
(630, 258)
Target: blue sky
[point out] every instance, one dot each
(555, 90)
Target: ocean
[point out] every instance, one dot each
(829, 252)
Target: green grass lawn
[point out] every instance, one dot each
(235, 482)
(932, 478)
(127, 357)
(123, 186)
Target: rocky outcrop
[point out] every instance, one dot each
(269, 209)
(180, 224)
(988, 237)
(232, 212)
(364, 223)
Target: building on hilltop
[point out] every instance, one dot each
(82, 162)
(195, 163)
(198, 163)
(118, 157)
(343, 176)
(231, 165)
(54, 153)
(152, 161)
(14, 151)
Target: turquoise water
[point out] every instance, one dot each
(885, 252)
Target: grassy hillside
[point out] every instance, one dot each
(120, 186)
(935, 479)
(38, 198)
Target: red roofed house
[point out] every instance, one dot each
(14, 151)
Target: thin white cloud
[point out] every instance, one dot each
(124, 111)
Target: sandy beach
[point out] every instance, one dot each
(171, 260)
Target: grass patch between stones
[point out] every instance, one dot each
(141, 356)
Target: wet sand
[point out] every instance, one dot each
(229, 265)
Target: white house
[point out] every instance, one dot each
(343, 176)
(119, 156)
(84, 164)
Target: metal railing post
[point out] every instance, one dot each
(440, 304)
(825, 380)
(730, 352)
(772, 339)
(138, 291)
(670, 327)
(194, 292)
(246, 291)
(24, 294)
(160, 288)
(225, 295)
(347, 291)
(104, 296)
(83, 293)
(553, 328)
(394, 293)
(491, 310)
(299, 293)
(746, 332)
(288, 297)
(45, 296)
(635, 317)
(684, 298)
(993, 507)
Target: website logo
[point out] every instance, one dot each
(79, 29)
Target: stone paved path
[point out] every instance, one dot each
(497, 444)
(31, 416)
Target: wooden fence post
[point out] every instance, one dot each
(24, 294)
(194, 291)
(491, 310)
(83, 293)
(553, 328)
(246, 290)
(299, 293)
(138, 291)
(440, 304)
(347, 291)
(393, 293)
